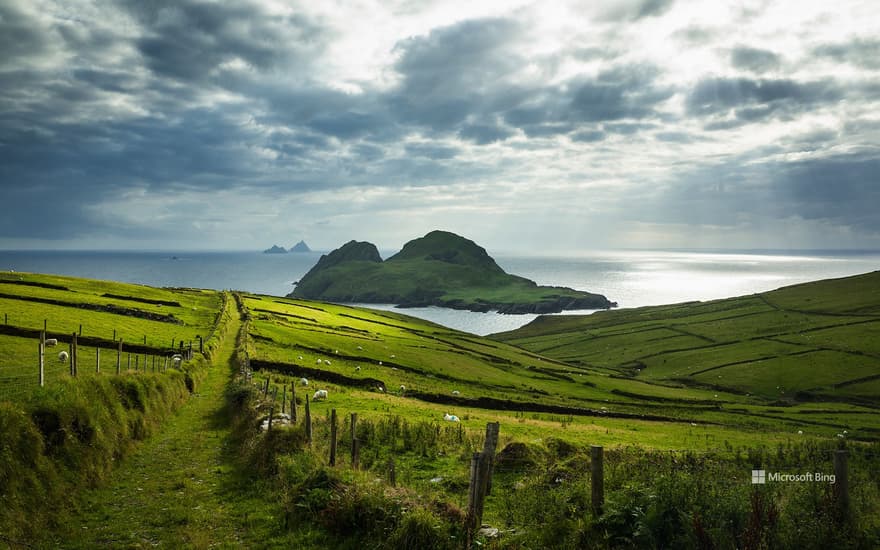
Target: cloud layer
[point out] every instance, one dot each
(629, 123)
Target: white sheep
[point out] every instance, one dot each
(327, 362)
(380, 388)
(402, 388)
(303, 381)
(450, 418)
(800, 432)
(63, 357)
(360, 348)
(358, 369)
(456, 392)
(320, 395)
(336, 351)
(299, 357)
(393, 356)
(380, 363)
(51, 342)
(176, 359)
(318, 361)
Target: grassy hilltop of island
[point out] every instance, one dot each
(439, 269)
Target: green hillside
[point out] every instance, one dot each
(808, 342)
(439, 269)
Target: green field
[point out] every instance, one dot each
(685, 399)
(98, 312)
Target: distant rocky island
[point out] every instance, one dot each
(439, 269)
(298, 247)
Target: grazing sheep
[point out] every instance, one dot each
(303, 381)
(450, 418)
(380, 388)
(393, 356)
(800, 432)
(360, 348)
(318, 362)
(402, 387)
(320, 395)
(63, 357)
(51, 342)
(456, 392)
(358, 369)
(327, 362)
(380, 363)
(336, 351)
(299, 357)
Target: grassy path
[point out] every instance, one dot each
(180, 488)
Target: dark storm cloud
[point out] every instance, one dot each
(189, 39)
(860, 52)
(436, 152)
(633, 10)
(22, 36)
(841, 190)
(754, 59)
(755, 100)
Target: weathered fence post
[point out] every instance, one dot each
(165, 364)
(137, 363)
(489, 447)
(42, 361)
(473, 490)
(392, 473)
(308, 421)
(118, 356)
(114, 334)
(333, 428)
(293, 402)
(266, 389)
(129, 362)
(145, 339)
(841, 482)
(97, 360)
(356, 453)
(73, 354)
(80, 329)
(45, 323)
(284, 400)
(597, 478)
(154, 362)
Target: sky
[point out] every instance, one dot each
(525, 126)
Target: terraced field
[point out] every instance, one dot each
(806, 342)
(577, 377)
(147, 319)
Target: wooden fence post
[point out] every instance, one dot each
(80, 329)
(145, 339)
(284, 400)
(45, 323)
(266, 389)
(165, 364)
(473, 486)
(308, 421)
(356, 453)
(293, 402)
(137, 363)
(392, 473)
(597, 478)
(129, 362)
(489, 446)
(119, 356)
(97, 360)
(841, 482)
(333, 428)
(42, 360)
(73, 354)
(114, 334)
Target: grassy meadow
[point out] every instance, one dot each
(686, 400)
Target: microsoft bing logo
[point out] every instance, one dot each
(759, 477)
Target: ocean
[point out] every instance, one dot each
(632, 278)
